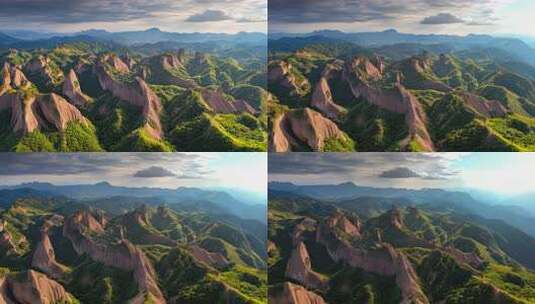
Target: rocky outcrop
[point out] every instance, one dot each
(137, 93)
(72, 89)
(279, 138)
(312, 128)
(115, 62)
(129, 61)
(469, 258)
(33, 287)
(141, 218)
(322, 99)
(81, 227)
(169, 61)
(384, 260)
(212, 259)
(302, 126)
(41, 66)
(367, 70)
(485, 108)
(398, 100)
(218, 103)
(295, 294)
(281, 74)
(44, 257)
(38, 112)
(7, 244)
(341, 222)
(298, 234)
(12, 77)
(299, 269)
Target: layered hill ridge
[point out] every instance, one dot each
(397, 255)
(76, 253)
(165, 101)
(421, 100)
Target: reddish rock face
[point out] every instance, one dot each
(322, 100)
(486, 108)
(295, 294)
(44, 257)
(279, 139)
(384, 261)
(340, 221)
(122, 254)
(35, 288)
(312, 128)
(137, 93)
(219, 104)
(280, 74)
(116, 63)
(216, 260)
(41, 65)
(398, 100)
(71, 89)
(366, 69)
(169, 61)
(299, 268)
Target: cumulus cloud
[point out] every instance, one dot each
(209, 16)
(400, 172)
(442, 18)
(154, 172)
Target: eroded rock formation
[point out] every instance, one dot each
(212, 259)
(295, 294)
(33, 287)
(137, 93)
(71, 89)
(299, 269)
(80, 229)
(218, 103)
(44, 257)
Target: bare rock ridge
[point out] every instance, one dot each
(340, 221)
(215, 260)
(312, 128)
(219, 104)
(82, 229)
(398, 100)
(385, 261)
(41, 65)
(322, 98)
(32, 287)
(281, 74)
(30, 111)
(71, 89)
(279, 139)
(299, 268)
(44, 257)
(137, 92)
(295, 294)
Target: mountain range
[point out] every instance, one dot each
(392, 249)
(390, 91)
(133, 91)
(56, 248)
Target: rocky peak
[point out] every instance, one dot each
(484, 107)
(340, 221)
(72, 89)
(137, 93)
(312, 128)
(213, 259)
(122, 254)
(34, 287)
(295, 294)
(169, 61)
(365, 69)
(115, 62)
(12, 77)
(322, 99)
(395, 217)
(281, 73)
(44, 257)
(129, 61)
(218, 103)
(299, 268)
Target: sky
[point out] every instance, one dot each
(162, 170)
(502, 173)
(229, 16)
(459, 17)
